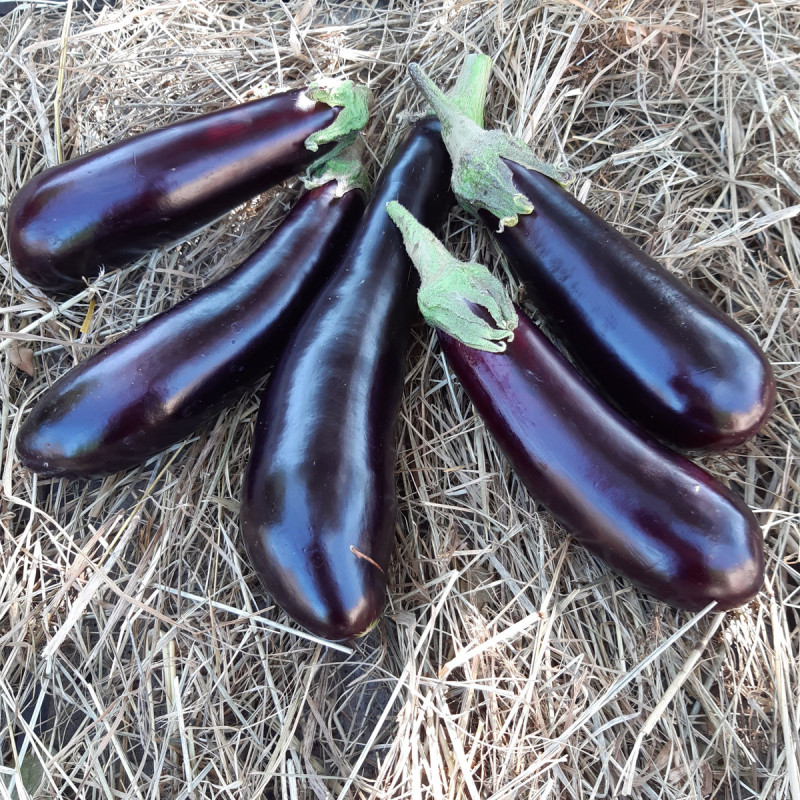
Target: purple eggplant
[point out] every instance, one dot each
(659, 350)
(110, 206)
(157, 385)
(318, 503)
(651, 514)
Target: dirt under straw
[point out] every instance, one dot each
(139, 656)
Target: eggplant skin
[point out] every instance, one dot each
(114, 204)
(657, 349)
(648, 512)
(318, 503)
(157, 385)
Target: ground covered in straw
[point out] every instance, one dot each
(134, 637)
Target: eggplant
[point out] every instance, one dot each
(318, 505)
(112, 205)
(660, 351)
(160, 383)
(650, 513)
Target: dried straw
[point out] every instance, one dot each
(146, 657)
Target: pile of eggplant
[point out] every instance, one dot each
(326, 303)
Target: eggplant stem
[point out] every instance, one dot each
(344, 165)
(481, 179)
(450, 290)
(354, 102)
(468, 95)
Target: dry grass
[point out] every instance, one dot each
(509, 663)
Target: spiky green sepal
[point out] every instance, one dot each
(449, 287)
(444, 304)
(481, 179)
(354, 102)
(345, 166)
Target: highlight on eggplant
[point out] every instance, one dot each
(157, 385)
(318, 508)
(658, 350)
(651, 514)
(106, 208)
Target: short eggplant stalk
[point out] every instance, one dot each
(651, 514)
(157, 385)
(106, 208)
(657, 349)
(449, 289)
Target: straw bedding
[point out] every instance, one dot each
(134, 636)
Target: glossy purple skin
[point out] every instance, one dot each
(648, 512)
(157, 385)
(318, 503)
(110, 206)
(659, 350)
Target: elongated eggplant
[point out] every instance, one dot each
(157, 385)
(318, 503)
(651, 514)
(658, 349)
(110, 206)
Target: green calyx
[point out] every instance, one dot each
(354, 102)
(481, 179)
(468, 95)
(449, 288)
(344, 165)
